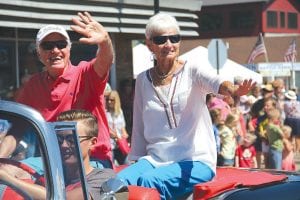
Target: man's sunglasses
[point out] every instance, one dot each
(163, 39)
(49, 45)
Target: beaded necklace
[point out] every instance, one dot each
(164, 76)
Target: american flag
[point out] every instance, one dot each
(290, 54)
(258, 49)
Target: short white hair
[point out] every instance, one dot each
(161, 22)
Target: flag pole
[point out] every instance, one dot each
(290, 56)
(266, 54)
(293, 61)
(293, 75)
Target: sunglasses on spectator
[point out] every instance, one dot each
(70, 140)
(163, 39)
(85, 137)
(49, 45)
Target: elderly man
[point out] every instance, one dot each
(62, 86)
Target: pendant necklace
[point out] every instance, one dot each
(162, 77)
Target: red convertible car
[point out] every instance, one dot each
(229, 183)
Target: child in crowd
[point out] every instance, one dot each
(245, 155)
(215, 102)
(215, 115)
(262, 144)
(274, 135)
(288, 162)
(228, 140)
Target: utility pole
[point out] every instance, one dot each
(156, 6)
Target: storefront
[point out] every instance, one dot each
(284, 70)
(124, 20)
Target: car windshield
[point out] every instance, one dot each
(25, 155)
(20, 156)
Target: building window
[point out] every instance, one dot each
(211, 22)
(272, 19)
(292, 21)
(28, 60)
(242, 20)
(80, 52)
(7, 69)
(7, 32)
(282, 19)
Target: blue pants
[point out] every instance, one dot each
(172, 181)
(275, 159)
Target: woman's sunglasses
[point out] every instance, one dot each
(163, 39)
(49, 45)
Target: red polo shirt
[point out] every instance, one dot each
(79, 87)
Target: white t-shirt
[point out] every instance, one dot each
(176, 127)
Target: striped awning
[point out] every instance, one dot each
(126, 16)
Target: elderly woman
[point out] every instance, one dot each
(173, 142)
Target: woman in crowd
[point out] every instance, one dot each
(117, 125)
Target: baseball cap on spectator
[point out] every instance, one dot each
(48, 29)
(290, 95)
(268, 88)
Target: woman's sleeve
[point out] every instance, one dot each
(138, 142)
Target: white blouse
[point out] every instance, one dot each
(175, 127)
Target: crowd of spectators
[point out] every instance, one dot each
(258, 130)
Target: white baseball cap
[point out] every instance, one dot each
(51, 28)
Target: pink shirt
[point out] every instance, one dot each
(79, 87)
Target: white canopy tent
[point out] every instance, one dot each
(142, 61)
(230, 69)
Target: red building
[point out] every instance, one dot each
(239, 22)
(232, 18)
